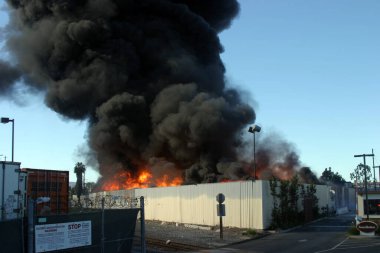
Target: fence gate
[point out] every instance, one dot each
(107, 225)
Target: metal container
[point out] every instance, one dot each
(50, 189)
(12, 190)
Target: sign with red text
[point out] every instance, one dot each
(367, 226)
(49, 237)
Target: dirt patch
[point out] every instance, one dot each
(208, 237)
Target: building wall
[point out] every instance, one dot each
(248, 204)
(352, 199)
(196, 204)
(325, 197)
(361, 199)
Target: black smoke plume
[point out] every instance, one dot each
(276, 157)
(8, 76)
(146, 74)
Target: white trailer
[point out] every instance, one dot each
(12, 190)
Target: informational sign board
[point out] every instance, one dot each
(59, 236)
(367, 227)
(221, 210)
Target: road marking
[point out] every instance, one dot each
(321, 226)
(302, 240)
(336, 246)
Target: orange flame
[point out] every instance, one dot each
(124, 180)
(165, 181)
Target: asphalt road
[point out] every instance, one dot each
(326, 235)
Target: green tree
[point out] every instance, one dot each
(285, 195)
(79, 169)
(358, 175)
(329, 176)
(276, 217)
(88, 187)
(309, 192)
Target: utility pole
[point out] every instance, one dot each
(376, 167)
(374, 173)
(253, 129)
(365, 180)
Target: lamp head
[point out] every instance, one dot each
(5, 120)
(254, 128)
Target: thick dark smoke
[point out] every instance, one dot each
(8, 76)
(276, 157)
(147, 74)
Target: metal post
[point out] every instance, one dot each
(365, 181)
(373, 166)
(253, 129)
(102, 235)
(366, 189)
(3, 194)
(376, 167)
(254, 156)
(13, 139)
(221, 227)
(142, 223)
(31, 204)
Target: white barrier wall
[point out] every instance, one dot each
(248, 203)
(196, 204)
(325, 197)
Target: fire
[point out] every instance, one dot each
(124, 180)
(165, 181)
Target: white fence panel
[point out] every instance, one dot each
(196, 204)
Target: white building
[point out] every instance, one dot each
(373, 202)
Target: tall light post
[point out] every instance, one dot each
(253, 129)
(376, 167)
(365, 181)
(374, 173)
(5, 121)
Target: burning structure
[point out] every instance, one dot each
(148, 77)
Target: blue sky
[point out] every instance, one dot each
(311, 69)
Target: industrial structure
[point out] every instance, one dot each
(18, 185)
(13, 190)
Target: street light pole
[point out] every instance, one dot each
(373, 166)
(5, 121)
(365, 181)
(254, 155)
(253, 129)
(374, 171)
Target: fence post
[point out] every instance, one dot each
(30, 225)
(142, 223)
(102, 235)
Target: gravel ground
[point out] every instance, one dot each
(207, 237)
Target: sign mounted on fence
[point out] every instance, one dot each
(58, 236)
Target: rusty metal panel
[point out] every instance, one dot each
(49, 183)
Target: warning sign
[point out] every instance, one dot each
(58, 236)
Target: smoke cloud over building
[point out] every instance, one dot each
(146, 74)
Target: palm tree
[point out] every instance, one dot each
(79, 169)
